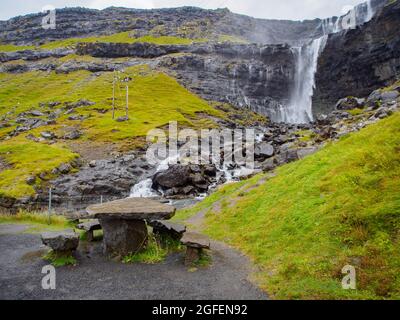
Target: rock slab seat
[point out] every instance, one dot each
(195, 243)
(173, 230)
(63, 241)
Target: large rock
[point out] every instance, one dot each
(185, 179)
(62, 241)
(350, 103)
(264, 150)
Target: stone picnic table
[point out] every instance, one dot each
(124, 223)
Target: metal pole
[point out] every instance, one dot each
(127, 100)
(113, 98)
(49, 214)
(101, 199)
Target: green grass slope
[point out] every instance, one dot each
(154, 100)
(340, 206)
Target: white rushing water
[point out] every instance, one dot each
(299, 109)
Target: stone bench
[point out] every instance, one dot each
(89, 227)
(64, 242)
(195, 243)
(172, 230)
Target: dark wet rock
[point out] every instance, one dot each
(184, 179)
(175, 176)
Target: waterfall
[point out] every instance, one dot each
(370, 11)
(299, 109)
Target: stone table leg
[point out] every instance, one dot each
(192, 255)
(122, 237)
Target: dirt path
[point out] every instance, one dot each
(98, 278)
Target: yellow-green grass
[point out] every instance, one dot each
(37, 221)
(26, 158)
(122, 37)
(156, 250)
(340, 206)
(154, 100)
(12, 47)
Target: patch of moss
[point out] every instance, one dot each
(60, 259)
(27, 158)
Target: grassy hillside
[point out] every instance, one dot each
(122, 37)
(154, 100)
(337, 207)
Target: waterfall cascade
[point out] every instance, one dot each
(299, 109)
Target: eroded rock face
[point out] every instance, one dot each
(111, 178)
(251, 76)
(358, 61)
(81, 22)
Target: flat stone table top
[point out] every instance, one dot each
(132, 209)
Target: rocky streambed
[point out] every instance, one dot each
(130, 174)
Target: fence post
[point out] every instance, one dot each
(49, 214)
(101, 199)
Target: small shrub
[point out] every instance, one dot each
(60, 259)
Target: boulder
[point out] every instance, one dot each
(31, 180)
(350, 103)
(175, 176)
(264, 150)
(62, 241)
(64, 168)
(48, 135)
(73, 135)
(389, 96)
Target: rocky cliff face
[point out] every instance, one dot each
(358, 61)
(188, 21)
(250, 76)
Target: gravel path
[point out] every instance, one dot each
(97, 278)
